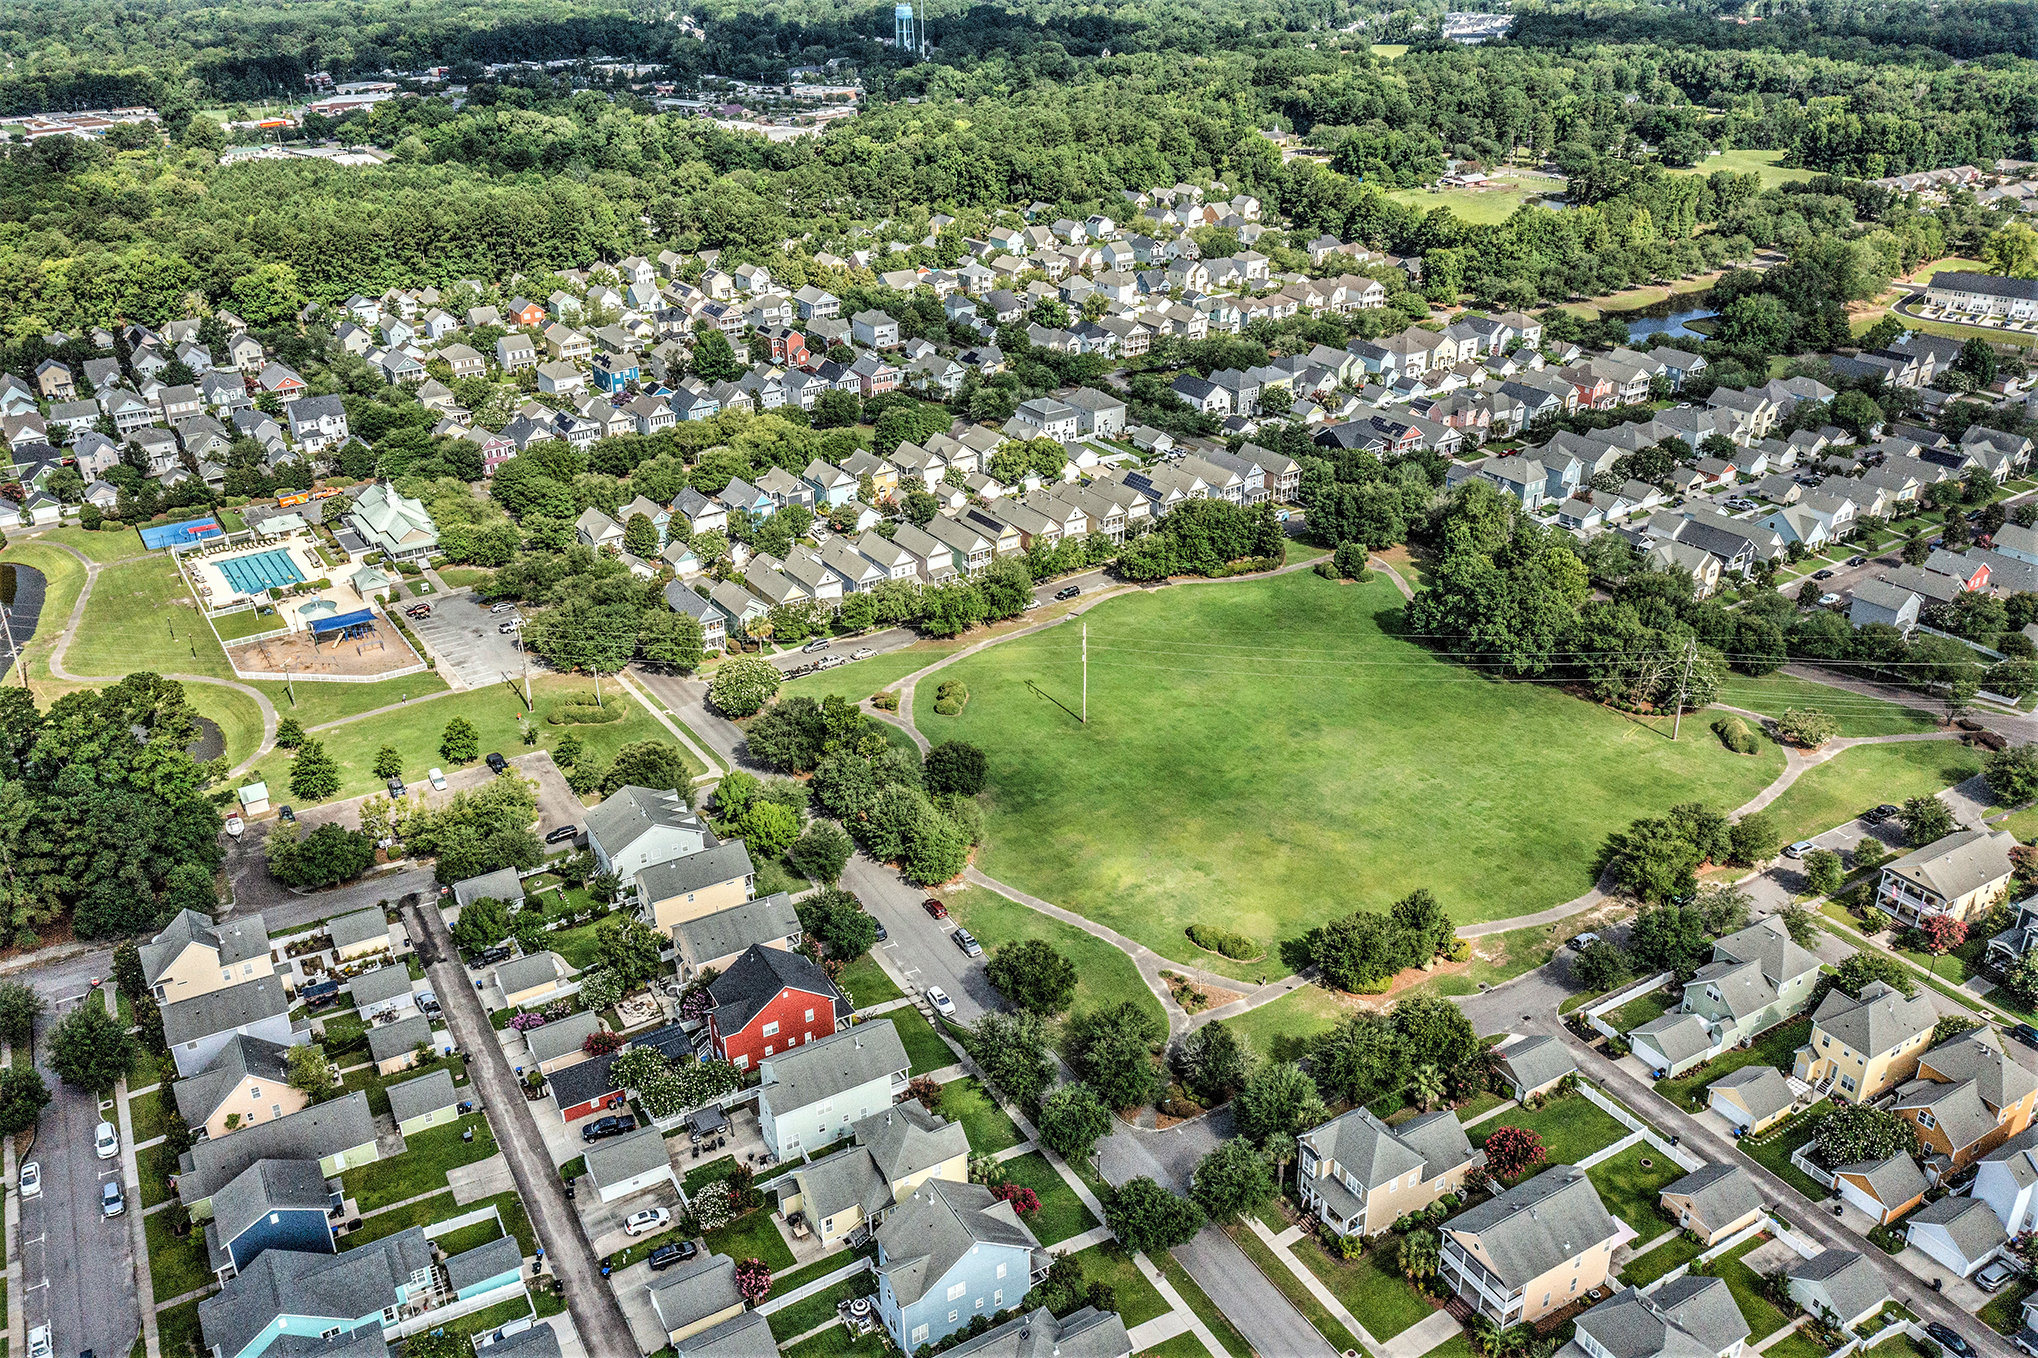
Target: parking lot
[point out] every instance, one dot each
(464, 636)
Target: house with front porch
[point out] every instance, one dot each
(949, 1253)
(1962, 875)
(1969, 1097)
(1861, 1048)
(844, 1196)
(1359, 1176)
(1534, 1249)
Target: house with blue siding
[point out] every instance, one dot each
(948, 1254)
(483, 1269)
(360, 1292)
(273, 1204)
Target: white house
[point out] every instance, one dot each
(812, 1094)
(634, 1163)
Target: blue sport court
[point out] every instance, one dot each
(261, 571)
(162, 535)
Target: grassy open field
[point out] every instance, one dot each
(314, 704)
(1855, 780)
(1481, 207)
(1763, 163)
(416, 730)
(140, 617)
(1284, 1029)
(1263, 755)
(1105, 976)
(1774, 694)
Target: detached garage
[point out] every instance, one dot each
(636, 1163)
(1961, 1233)
(587, 1088)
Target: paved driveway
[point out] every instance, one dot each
(462, 635)
(77, 1266)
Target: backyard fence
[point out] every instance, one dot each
(1614, 1001)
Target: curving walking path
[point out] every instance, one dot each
(63, 643)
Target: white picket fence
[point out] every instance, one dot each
(1621, 997)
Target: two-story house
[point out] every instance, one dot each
(714, 941)
(338, 1134)
(1756, 979)
(846, 1195)
(948, 1254)
(812, 1095)
(1961, 875)
(247, 1082)
(1684, 1318)
(769, 1000)
(192, 956)
(678, 866)
(1713, 1202)
(272, 1204)
(1969, 1097)
(1861, 1048)
(199, 1027)
(1532, 1250)
(1359, 1176)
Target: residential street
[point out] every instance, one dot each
(596, 1313)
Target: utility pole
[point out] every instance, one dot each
(1683, 681)
(1086, 672)
(525, 657)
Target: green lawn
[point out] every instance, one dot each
(148, 1115)
(1797, 1344)
(416, 730)
(1642, 1009)
(1062, 1213)
(867, 984)
(156, 1165)
(830, 1344)
(140, 617)
(1773, 1152)
(1630, 1190)
(1105, 976)
(923, 1044)
(176, 1264)
(782, 1283)
(751, 1236)
(1774, 1048)
(177, 1327)
(63, 576)
(2005, 1311)
(422, 1167)
(1368, 1287)
(1284, 1029)
(1646, 1268)
(1764, 1316)
(819, 1309)
(394, 1220)
(1765, 163)
(1291, 1287)
(1138, 1300)
(1572, 1128)
(470, 1237)
(1854, 780)
(989, 1127)
(1295, 674)
(1477, 207)
(320, 703)
(238, 716)
(1773, 694)
(100, 546)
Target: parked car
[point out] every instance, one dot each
(39, 1345)
(111, 1201)
(428, 1004)
(967, 941)
(1992, 1277)
(1799, 849)
(513, 625)
(829, 662)
(396, 789)
(105, 1141)
(489, 957)
(1031, 604)
(563, 834)
(503, 607)
(862, 653)
(603, 1128)
(1857, 561)
(935, 908)
(418, 611)
(2025, 1034)
(438, 779)
(938, 997)
(882, 932)
(1877, 815)
(1828, 599)
(1068, 591)
(817, 644)
(678, 1252)
(1578, 943)
(31, 1179)
(649, 1220)
(1822, 575)
(1950, 1337)
(496, 763)
(287, 814)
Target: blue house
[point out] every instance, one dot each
(740, 494)
(613, 372)
(832, 486)
(335, 1298)
(691, 402)
(948, 1254)
(499, 1263)
(272, 1204)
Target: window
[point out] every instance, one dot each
(1926, 1120)
(1847, 1083)
(226, 973)
(919, 1335)
(954, 1316)
(771, 1029)
(333, 1333)
(1574, 1284)
(955, 1291)
(254, 1091)
(998, 1297)
(1001, 1270)
(275, 1110)
(767, 1049)
(741, 1061)
(1546, 1299)
(810, 1016)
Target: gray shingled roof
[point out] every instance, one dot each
(1979, 1056)
(1881, 1020)
(1535, 1226)
(561, 1036)
(311, 1133)
(1677, 1035)
(267, 1186)
(690, 1291)
(1961, 862)
(1762, 1090)
(1892, 1182)
(526, 973)
(500, 1255)
(242, 1056)
(359, 926)
(426, 1094)
(724, 862)
(1956, 1108)
(379, 984)
(1691, 1317)
(1087, 1333)
(1722, 1193)
(908, 1138)
(768, 919)
(932, 1230)
(341, 1288)
(630, 812)
(827, 1066)
(1535, 1061)
(240, 939)
(501, 885)
(386, 1040)
(625, 1157)
(222, 1011)
(1853, 1283)
(1971, 1222)
(746, 1336)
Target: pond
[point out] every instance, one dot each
(1672, 317)
(21, 592)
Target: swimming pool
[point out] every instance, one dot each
(261, 571)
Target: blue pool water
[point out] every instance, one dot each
(260, 572)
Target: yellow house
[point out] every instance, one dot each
(1968, 1099)
(1714, 1202)
(1359, 1176)
(1961, 875)
(696, 1296)
(360, 935)
(1534, 1249)
(193, 956)
(247, 1083)
(1753, 1098)
(847, 1194)
(680, 869)
(394, 1046)
(526, 981)
(1862, 1048)
(706, 883)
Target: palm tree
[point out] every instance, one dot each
(1418, 1254)
(1486, 1334)
(1428, 1085)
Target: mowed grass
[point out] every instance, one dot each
(1630, 1189)
(238, 716)
(1571, 1128)
(1773, 694)
(1478, 207)
(1866, 776)
(1285, 1029)
(140, 617)
(1263, 755)
(1105, 976)
(316, 703)
(416, 730)
(860, 678)
(1061, 1213)
(1368, 1287)
(1764, 163)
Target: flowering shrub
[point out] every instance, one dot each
(753, 1280)
(523, 1023)
(1024, 1200)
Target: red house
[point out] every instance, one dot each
(586, 1088)
(523, 311)
(767, 1001)
(788, 346)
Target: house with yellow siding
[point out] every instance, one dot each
(1534, 1249)
(1713, 1202)
(674, 863)
(1961, 876)
(1862, 1048)
(192, 956)
(845, 1196)
(1359, 1176)
(247, 1083)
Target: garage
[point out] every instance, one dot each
(627, 1165)
(587, 1088)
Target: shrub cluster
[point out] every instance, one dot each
(1223, 942)
(950, 698)
(1735, 735)
(587, 714)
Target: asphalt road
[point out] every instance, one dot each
(920, 946)
(77, 1266)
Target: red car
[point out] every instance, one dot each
(935, 908)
